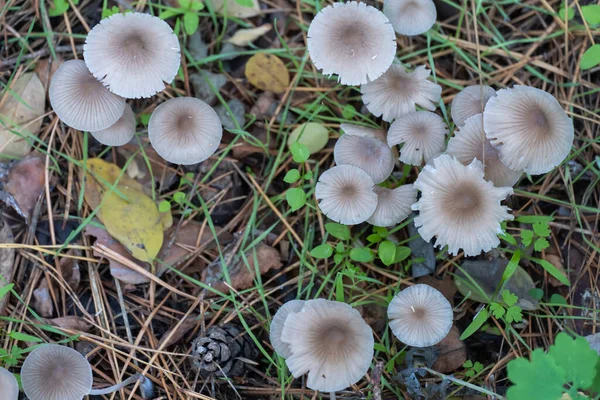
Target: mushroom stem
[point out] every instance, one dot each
(332, 396)
(118, 386)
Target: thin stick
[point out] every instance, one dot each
(463, 383)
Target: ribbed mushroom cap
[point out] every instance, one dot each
(393, 205)
(119, 133)
(372, 155)
(420, 316)
(54, 372)
(423, 134)
(410, 17)
(363, 131)
(80, 101)
(9, 388)
(132, 54)
(460, 208)
(352, 40)
(276, 329)
(397, 92)
(470, 142)
(346, 195)
(331, 342)
(529, 128)
(470, 101)
(185, 130)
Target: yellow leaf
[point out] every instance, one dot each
(267, 72)
(244, 37)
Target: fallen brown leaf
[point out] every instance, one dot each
(42, 302)
(177, 333)
(7, 259)
(557, 262)
(46, 68)
(72, 323)
(24, 184)
(453, 352)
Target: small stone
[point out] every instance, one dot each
(238, 111)
(202, 87)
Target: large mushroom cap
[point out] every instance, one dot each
(9, 388)
(460, 208)
(119, 133)
(132, 54)
(346, 195)
(393, 205)
(423, 134)
(529, 128)
(396, 92)
(353, 40)
(470, 101)
(420, 316)
(54, 372)
(367, 153)
(470, 142)
(331, 342)
(276, 329)
(410, 17)
(185, 130)
(80, 101)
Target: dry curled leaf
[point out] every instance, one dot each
(72, 323)
(7, 258)
(267, 72)
(233, 9)
(177, 332)
(42, 301)
(453, 352)
(243, 37)
(24, 184)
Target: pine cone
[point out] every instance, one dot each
(217, 351)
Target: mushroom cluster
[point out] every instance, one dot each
(132, 56)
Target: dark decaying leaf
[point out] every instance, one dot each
(453, 353)
(72, 323)
(42, 301)
(7, 259)
(24, 184)
(177, 332)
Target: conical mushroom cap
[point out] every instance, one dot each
(410, 17)
(460, 208)
(352, 40)
(393, 205)
(420, 316)
(470, 101)
(529, 128)
(185, 130)
(54, 372)
(397, 91)
(119, 133)
(132, 54)
(331, 342)
(276, 329)
(369, 154)
(9, 388)
(80, 101)
(423, 134)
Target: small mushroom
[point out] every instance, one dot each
(420, 316)
(276, 328)
(119, 133)
(470, 101)
(9, 388)
(410, 17)
(370, 154)
(393, 205)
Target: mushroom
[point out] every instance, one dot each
(132, 54)
(353, 40)
(370, 154)
(469, 142)
(276, 328)
(459, 207)
(331, 342)
(529, 128)
(346, 195)
(410, 17)
(393, 205)
(80, 101)
(119, 133)
(420, 316)
(9, 388)
(470, 101)
(185, 130)
(423, 134)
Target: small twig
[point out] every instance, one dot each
(40, 53)
(463, 383)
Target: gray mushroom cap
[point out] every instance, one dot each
(470, 101)
(9, 388)
(119, 133)
(276, 328)
(410, 17)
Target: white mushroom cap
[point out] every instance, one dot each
(9, 388)
(185, 130)
(352, 40)
(119, 133)
(460, 208)
(470, 142)
(132, 54)
(276, 329)
(346, 195)
(397, 92)
(470, 101)
(410, 17)
(363, 131)
(423, 134)
(367, 153)
(530, 129)
(54, 372)
(393, 205)
(420, 316)
(80, 101)
(331, 342)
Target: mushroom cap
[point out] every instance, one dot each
(420, 316)
(393, 205)
(470, 101)
(460, 208)
(410, 17)
(119, 133)
(346, 195)
(185, 130)
(277, 323)
(372, 155)
(80, 101)
(397, 91)
(423, 134)
(9, 388)
(469, 142)
(353, 40)
(529, 128)
(331, 342)
(54, 372)
(132, 54)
